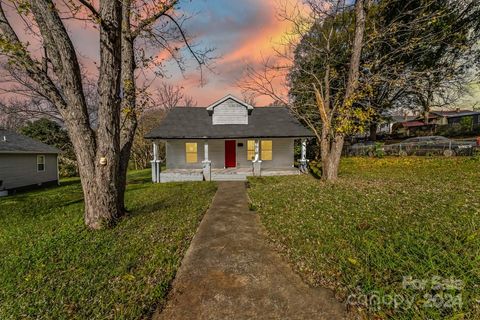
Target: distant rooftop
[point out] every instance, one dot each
(413, 123)
(455, 113)
(11, 142)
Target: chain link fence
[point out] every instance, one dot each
(424, 146)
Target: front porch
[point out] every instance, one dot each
(246, 157)
(228, 174)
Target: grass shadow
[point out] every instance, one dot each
(149, 208)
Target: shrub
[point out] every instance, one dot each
(315, 168)
(379, 152)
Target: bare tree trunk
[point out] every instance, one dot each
(426, 114)
(331, 151)
(373, 131)
(332, 162)
(103, 198)
(332, 141)
(129, 116)
(425, 101)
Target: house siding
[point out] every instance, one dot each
(20, 170)
(282, 156)
(230, 112)
(176, 154)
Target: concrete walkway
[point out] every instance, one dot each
(230, 271)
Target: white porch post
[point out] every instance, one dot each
(155, 164)
(257, 163)
(207, 164)
(303, 157)
(205, 150)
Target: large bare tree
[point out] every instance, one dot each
(326, 30)
(338, 117)
(416, 53)
(127, 30)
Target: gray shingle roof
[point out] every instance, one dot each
(196, 123)
(17, 143)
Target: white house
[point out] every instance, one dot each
(228, 140)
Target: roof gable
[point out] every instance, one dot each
(227, 97)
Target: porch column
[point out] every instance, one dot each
(155, 164)
(257, 163)
(205, 150)
(207, 164)
(303, 157)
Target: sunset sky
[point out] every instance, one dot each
(242, 32)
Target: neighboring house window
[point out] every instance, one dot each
(191, 152)
(266, 149)
(250, 149)
(40, 163)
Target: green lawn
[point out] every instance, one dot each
(385, 219)
(51, 267)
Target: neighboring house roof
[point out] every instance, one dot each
(455, 113)
(11, 142)
(411, 124)
(196, 123)
(402, 118)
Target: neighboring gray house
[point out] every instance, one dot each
(25, 162)
(228, 140)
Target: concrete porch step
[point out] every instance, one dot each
(179, 177)
(220, 174)
(229, 177)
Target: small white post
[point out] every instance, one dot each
(257, 163)
(303, 156)
(207, 164)
(155, 150)
(257, 151)
(155, 164)
(205, 149)
(304, 150)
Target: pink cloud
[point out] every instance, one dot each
(256, 43)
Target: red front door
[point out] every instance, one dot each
(230, 154)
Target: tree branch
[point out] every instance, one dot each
(26, 62)
(91, 8)
(185, 40)
(148, 21)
